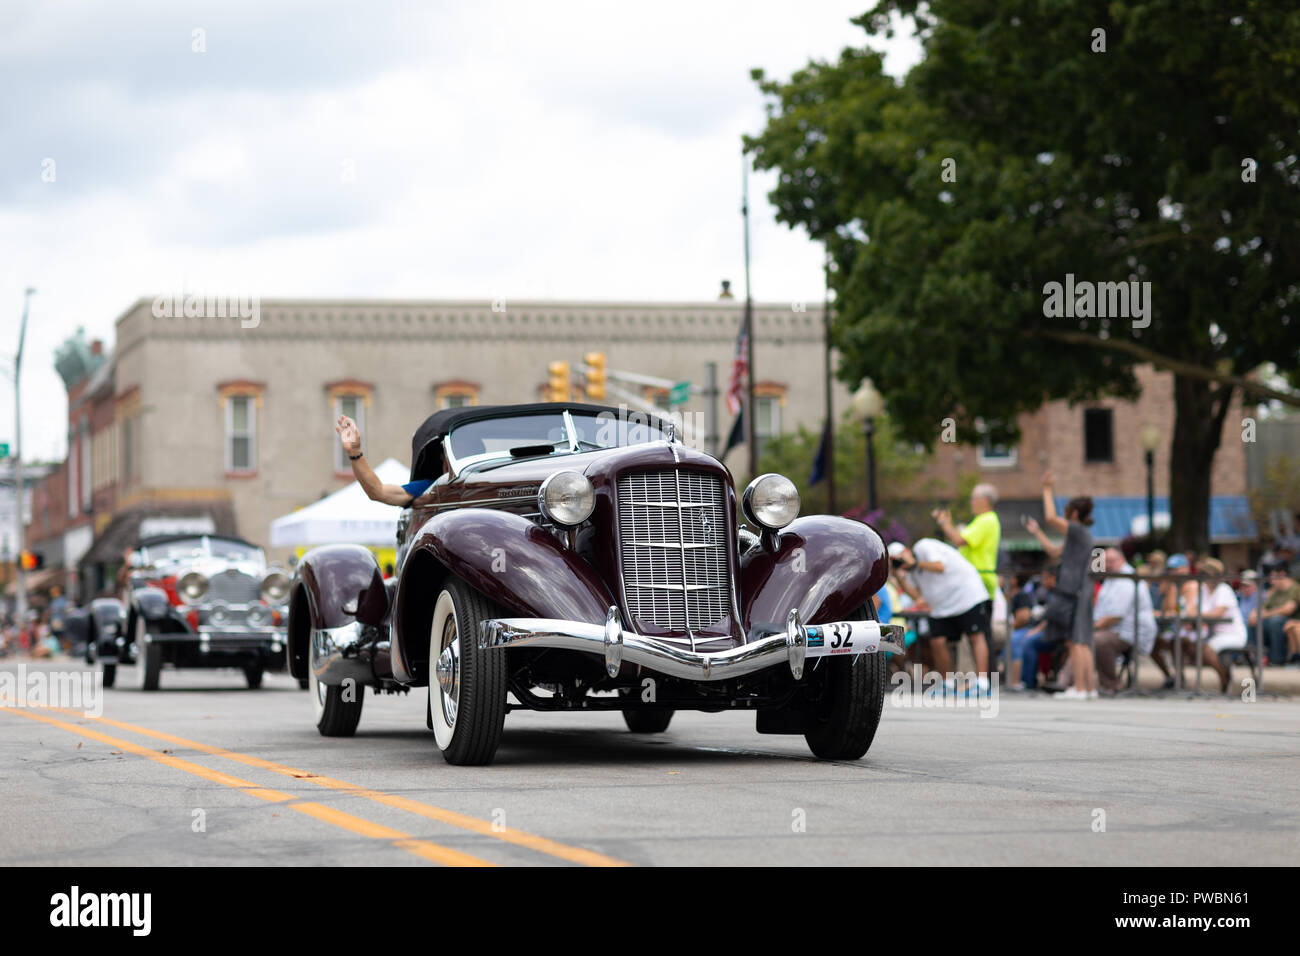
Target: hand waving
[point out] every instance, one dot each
(348, 435)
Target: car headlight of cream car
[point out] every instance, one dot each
(191, 587)
(275, 588)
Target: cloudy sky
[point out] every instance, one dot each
(384, 149)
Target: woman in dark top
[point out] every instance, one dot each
(1069, 608)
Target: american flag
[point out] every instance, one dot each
(739, 369)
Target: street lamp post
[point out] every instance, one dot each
(1149, 438)
(20, 597)
(867, 407)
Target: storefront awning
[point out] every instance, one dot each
(38, 580)
(1121, 517)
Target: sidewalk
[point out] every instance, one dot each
(1284, 681)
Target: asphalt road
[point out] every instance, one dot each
(242, 777)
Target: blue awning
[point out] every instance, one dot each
(1114, 518)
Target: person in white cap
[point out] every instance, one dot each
(949, 587)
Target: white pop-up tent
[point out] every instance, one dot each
(345, 517)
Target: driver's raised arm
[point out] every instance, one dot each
(375, 489)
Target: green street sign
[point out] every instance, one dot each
(4, 449)
(680, 394)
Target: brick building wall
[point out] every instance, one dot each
(1053, 437)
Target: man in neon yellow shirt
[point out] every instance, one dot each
(978, 541)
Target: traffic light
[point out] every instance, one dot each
(559, 381)
(30, 561)
(595, 375)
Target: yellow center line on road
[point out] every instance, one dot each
(353, 824)
(530, 841)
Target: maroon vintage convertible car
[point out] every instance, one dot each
(578, 557)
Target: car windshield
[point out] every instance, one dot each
(494, 437)
(611, 431)
(189, 549)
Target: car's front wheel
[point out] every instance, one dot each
(148, 657)
(467, 685)
(336, 707)
(646, 720)
(848, 697)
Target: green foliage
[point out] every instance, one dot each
(1279, 490)
(1115, 166)
(898, 466)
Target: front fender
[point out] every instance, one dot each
(152, 603)
(515, 563)
(326, 579)
(825, 566)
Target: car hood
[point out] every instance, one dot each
(523, 477)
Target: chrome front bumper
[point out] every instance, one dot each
(793, 646)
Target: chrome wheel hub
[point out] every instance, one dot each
(447, 671)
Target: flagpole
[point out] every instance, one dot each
(751, 417)
(829, 436)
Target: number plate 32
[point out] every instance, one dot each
(843, 637)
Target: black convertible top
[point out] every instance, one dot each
(427, 460)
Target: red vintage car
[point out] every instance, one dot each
(578, 557)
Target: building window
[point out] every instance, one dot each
(72, 474)
(87, 465)
(769, 403)
(1098, 435)
(126, 450)
(458, 394)
(241, 434)
(353, 406)
(993, 454)
(767, 417)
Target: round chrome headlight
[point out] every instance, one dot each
(771, 501)
(191, 587)
(566, 498)
(275, 587)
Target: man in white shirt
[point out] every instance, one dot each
(1113, 625)
(946, 585)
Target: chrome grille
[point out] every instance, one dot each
(673, 530)
(233, 587)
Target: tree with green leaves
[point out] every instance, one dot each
(898, 464)
(1036, 152)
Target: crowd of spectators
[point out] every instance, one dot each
(42, 634)
(1072, 629)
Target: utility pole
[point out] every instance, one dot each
(751, 412)
(20, 602)
(711, 394)
(829, 437)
